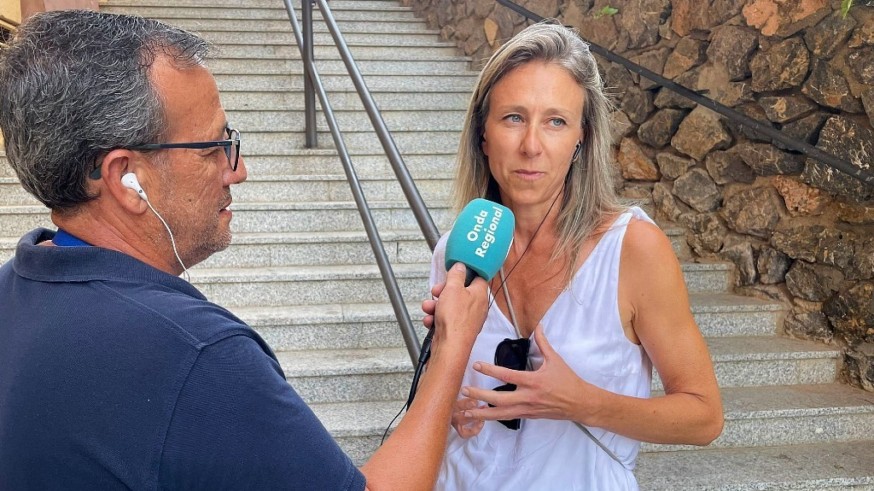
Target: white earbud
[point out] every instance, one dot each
(130, 181)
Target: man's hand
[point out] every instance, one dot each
(459, 313)
(409, 459)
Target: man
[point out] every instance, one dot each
(114, 372)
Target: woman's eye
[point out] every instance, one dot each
(557, 122)
(514, 118)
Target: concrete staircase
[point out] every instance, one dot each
(301, 272)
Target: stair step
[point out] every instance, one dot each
(17, 220)
(409, 25)
(348, 120)
(425, 66)
(349, 326)
(331, 188)
(266, 217)
(727, 315)
(133, 5)
(386, 99)
(11, 193)
(256, 250)
(828, 412)
(231, 34)
(326, 161)
(408, 142)
(327, 216)
(367, 60)
(255, 13)
(737, 362)
(434, 82)
(259, 250)
(748, 361)
(329, 327)
(360, 284)
(305, 188)
(358, 427)
(360, 52)
(823, 466)
(307, 285)
(5, 168)
(811, 415)
(378, 374)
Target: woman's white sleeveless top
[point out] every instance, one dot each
(584, 327)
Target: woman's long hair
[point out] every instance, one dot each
(589, 194)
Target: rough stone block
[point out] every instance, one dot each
(732, 47)
(772, 265)
(634, 163)
(786, 108)
(852, 142)
(765, 160)
(696, 189)
(699, 133)
(829, 88)
(754, 211)
(726, 167)
(824, 39)
(688, 54)
(861, 62)
(673, 166)
(814, 282)
(784, 66)
(658, 130)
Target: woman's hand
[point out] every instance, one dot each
(553, 391)
(466, 427)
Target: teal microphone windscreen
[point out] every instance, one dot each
(481, 238)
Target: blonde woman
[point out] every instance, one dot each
(590, 298)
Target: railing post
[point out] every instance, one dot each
(309, 93)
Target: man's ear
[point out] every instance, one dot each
(116, 164)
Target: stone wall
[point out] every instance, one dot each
(798, 231)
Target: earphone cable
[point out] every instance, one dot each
(534, 236)
(172, 239)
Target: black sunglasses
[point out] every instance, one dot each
(231, 147)
(512, 354)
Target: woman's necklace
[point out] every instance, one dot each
(504, 277)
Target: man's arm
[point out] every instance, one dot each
(410, 458)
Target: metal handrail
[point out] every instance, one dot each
(417, 204)
(426, 223)
(763, 129)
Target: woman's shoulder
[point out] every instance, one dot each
(644, 240)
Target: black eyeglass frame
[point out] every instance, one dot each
(231, 144)
(512, 354)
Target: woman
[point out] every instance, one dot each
(591, 292)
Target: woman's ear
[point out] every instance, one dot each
(577, 150)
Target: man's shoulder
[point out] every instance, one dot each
(196, 320)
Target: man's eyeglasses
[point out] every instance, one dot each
(512, 354)
(231, 147)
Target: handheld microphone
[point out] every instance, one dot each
(480, 239)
